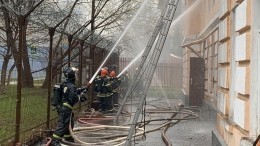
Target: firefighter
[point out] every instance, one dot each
(65, 96)
(104, 91)
(115, 81)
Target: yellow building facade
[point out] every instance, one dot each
(225, 35)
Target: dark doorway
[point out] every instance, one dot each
(197, 81)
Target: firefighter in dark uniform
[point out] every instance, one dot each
(64, 98)
(104, 92)
(115, 81)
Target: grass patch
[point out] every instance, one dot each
(38, 81)
(33, 110)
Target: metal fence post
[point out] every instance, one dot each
(21, 22)
(69, 55)
(51, 34)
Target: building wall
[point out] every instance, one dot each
(235, 42)
(230, 78)
(199, 13)
(255, 80)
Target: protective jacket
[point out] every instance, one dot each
(65, 94)
(104, 93)
(115, 82)
(68, 98)
(103, 86)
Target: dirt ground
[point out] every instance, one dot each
(196, 132)
(193, 132)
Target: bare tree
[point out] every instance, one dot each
(12, 10)
(9, 34)
(97, 20)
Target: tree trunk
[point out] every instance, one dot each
(11, 46)
(54, 74)
(3, 72)
(3, 76)
(10, 73)
(27, 74)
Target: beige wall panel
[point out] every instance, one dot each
(228, 131)
(215, 63)
(222, 102)
(237, 135)
(220, 124)
(215, 75)
(224, 9)
(234, 138)
(243, 47)
(215, 68)
(224, 80)
(215, 92)
(215, 36)
(241, 113)
(224, 29)
(223, 53)
(209, 40)
(228, 126)
(242, 80)
(210, 52)
(216, 48)
(228, 136)
(242, 15)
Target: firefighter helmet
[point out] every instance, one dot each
(112, 74)
(104, 72)
(106, 68)
(70, 73)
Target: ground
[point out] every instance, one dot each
(185, 133)
(194, 132)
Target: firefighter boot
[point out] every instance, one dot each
(55, 142)
(69, 138)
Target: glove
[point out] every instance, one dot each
(83, 89)
(83, 98)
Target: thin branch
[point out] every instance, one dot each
(111, 15)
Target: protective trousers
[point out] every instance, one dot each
(115, 99)
(65, 115)
(106, 103)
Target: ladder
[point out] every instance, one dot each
(136, 78)
(163, 27)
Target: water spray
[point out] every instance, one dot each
(131, 63)
(91, 80)
(175, 56)
(185, 13)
